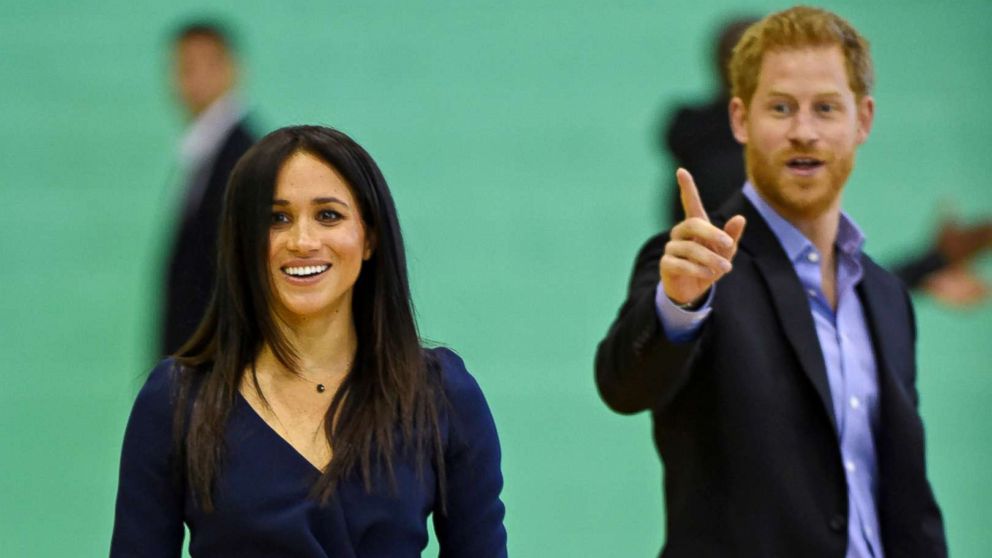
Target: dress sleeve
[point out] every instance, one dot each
(472, 523)
(148, 521)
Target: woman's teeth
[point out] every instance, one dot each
(305, 271)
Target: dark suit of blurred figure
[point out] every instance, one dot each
(204, 78)
(699, 139)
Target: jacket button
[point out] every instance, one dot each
(837, 522)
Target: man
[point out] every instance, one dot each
(205, 75)
(699, 138)
(783, 396)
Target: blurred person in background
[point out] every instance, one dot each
(699, 139)
(304, 418)
(698, 136)
(204, 78)
(776, 358)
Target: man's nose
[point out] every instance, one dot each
(804, 128)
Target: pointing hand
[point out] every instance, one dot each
(698, 253)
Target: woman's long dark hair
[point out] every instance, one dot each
(392, 383)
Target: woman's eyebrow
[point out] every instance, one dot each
(332, 199)
(317, 201)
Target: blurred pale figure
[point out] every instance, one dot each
(204, 70)
(204, 79)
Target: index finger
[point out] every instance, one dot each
(691, 203)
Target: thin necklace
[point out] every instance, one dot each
(321, 388)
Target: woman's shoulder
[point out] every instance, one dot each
(458, 383)
(467, 408)
(158, 394)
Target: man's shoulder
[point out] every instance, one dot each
(883, 277)
(241, 136)
(238, 140)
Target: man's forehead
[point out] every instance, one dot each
(201, 42)
(802, 55)
(802, 67)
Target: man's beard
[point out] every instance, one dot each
(798, 197)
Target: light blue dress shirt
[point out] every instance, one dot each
(845, 342)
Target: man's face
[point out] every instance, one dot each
(801, 130)
(203, 72)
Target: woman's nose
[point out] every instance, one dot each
(302, 238)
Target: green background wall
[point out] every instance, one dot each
(519, 140)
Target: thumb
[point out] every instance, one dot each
(735, 227)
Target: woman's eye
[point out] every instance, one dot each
(328, 215)
(279, 218)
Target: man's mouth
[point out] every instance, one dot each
(305, 271)
(804, 164)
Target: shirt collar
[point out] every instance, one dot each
(205, 133)
(849, 240)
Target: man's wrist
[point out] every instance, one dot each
(690, 306)
(679, 323)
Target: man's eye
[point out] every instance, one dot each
(825, 108)
(780, 108)
(279, 218)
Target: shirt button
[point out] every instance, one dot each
(855, 403)
(813, 257)
(837, 522)
(849, 465)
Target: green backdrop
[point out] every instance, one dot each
(519, 138)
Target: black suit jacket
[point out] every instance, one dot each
(190, 268)
(742, 416)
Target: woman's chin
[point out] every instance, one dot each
(298, 310)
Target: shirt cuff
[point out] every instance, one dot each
(681, 325)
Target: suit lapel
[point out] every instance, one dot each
(887, 324)
(873, 299)
(787, 295)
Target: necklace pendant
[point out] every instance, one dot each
(320, 388)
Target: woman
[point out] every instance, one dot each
(303, 418)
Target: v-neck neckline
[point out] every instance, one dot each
(275, 433)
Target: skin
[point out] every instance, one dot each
(698, 253)
(803, 109)
(203, 71)
(315, 222)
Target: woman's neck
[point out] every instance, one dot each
(325, 347)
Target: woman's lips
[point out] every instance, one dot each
(304, 274)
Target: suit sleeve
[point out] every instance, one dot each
(472, 523)
(637, 367)
(148, 521)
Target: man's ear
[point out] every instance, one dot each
(738, 119)
(866, 117)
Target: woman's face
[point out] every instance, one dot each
(317, 241)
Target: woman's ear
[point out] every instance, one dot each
(370, 245)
